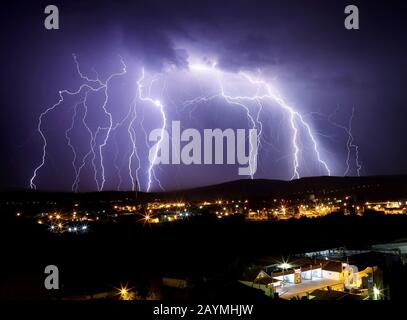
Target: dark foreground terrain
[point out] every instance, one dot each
(210, 252)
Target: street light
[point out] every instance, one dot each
(125, 293)
(284, 265)
(376, 293)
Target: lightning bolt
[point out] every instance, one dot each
(270, 94)
(94, 85)
(231, 101)
(252, 104)
(109, 129)
(116, 127)
(91, 148)
(132, 134)
(358, 163)
(350, 142)
(235, 100)
(69, 142)
(116, 166)
(40, 131)
(160, 106)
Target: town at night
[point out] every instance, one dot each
(203, 159)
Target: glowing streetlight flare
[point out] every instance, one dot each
(285, 266)
(124, 292)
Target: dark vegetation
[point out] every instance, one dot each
(201, 248)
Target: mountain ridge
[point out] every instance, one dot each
(390, 186)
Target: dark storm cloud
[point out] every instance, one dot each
(251, 51)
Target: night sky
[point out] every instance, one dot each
(321, 69)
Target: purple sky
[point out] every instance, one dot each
(301, 47)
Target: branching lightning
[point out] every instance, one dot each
(105, 132)
(160, 106)
(135, 182)
(69, 141)
(94, 85)
(269, 94)
(39, 129)
(349, 143)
